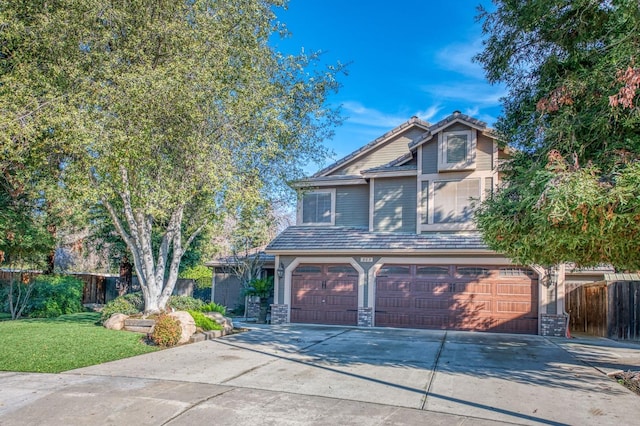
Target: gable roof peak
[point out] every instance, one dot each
(413, 121)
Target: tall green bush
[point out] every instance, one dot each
(55, 295)
(185, 303)
(127, 304)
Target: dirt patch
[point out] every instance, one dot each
(629, 379)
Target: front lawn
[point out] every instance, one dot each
(59, 344)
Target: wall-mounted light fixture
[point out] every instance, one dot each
(280, 270)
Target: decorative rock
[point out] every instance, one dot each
(225, 322)
(116, 321)
(187, 324)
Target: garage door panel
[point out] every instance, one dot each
(431, 287)
(433, 303)
(324, 294)
(513, 307)
(395, 302)
(514, 289)
(475, 298)
(391, 286)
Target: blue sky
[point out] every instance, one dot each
(406, 57)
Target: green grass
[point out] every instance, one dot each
(64, 343)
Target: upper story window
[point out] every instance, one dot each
(318, 208)
(454, 200)
(457, 150)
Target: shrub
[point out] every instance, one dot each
(261, 287)
(167, 331)
(214, 307)
(204, 322)
(55, 295)
(128, 304)
(200, 274)
(185, 303)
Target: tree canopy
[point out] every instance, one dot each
(572, 113)
(165, 111)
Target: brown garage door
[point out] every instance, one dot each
(324, 294)
(474, 298)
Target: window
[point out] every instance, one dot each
(453, 200)
(318, 208)
(456, 150)
(472, 271)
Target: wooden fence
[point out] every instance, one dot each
(606, 309)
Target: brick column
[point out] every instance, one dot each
(365, 317)
(253, 307)
(553, 325)
(279, 314)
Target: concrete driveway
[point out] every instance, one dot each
(334, 375)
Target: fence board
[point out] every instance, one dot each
(609, 309)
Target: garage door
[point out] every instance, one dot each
(478, 298)
(324, 294)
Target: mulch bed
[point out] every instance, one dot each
(629, 379)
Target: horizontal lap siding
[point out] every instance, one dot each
(395, 205)
(352, 206)
(382, 154)
(484, 156)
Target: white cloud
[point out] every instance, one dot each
(479, 93)
(458, 57)
(359, 114)
(429, 113)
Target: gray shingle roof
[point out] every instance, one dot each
(388, 168)
(319, 238)
(373, 143)
(442, 123)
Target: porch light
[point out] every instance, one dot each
(281, 270)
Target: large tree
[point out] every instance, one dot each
(166, 111)
(572, 187)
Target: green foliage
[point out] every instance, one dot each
(261, 287)
(167, 331)
(204, 322)
(200, 273)
(213, 307)
(128, 304)
(142, 107)
(577, 217)
(64, 343)
(185, 303)
(56, 295)
(572, 113)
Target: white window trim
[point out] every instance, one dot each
(469, 163)
(331, 191)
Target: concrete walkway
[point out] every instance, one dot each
(335, 375)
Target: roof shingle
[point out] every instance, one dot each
(319, 238)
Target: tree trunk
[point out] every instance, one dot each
(126, 276)
(51, 257)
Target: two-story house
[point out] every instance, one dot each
(385, 237)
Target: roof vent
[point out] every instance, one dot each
(456, 112)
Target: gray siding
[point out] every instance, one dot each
(352, 206)
(430, 157)
(395, 205)
(484, 153)
(228, 289)
(383, 154)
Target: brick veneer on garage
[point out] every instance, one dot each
(365, 317)
(553, 325)
(279, 314)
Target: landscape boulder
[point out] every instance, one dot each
(116, 321)
(187, 324)
(225, 322)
